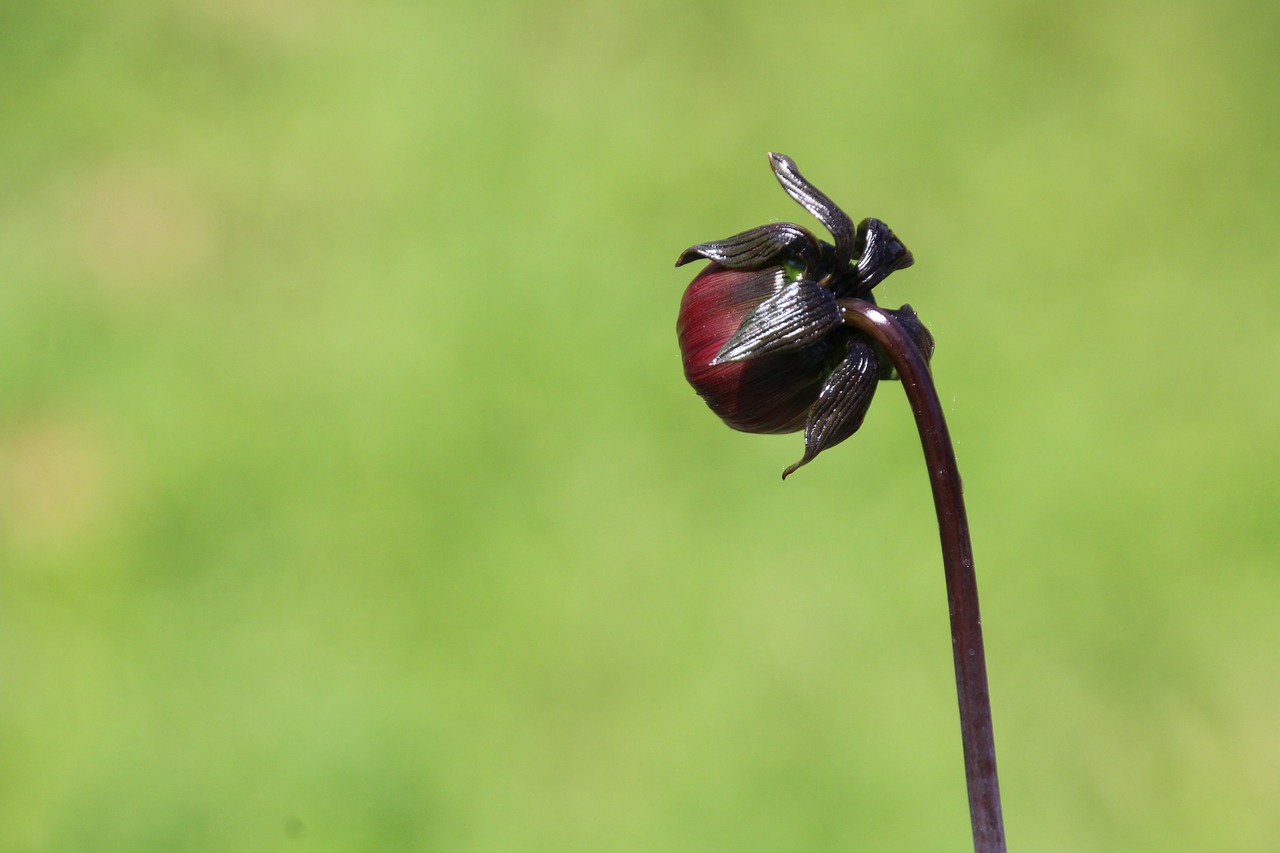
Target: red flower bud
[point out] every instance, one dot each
(762, 331)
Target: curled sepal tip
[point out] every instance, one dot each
(842, 404)
(758, 248)
(817, 203)
(882, 253)
(798, 315)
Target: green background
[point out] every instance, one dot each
(352, 498)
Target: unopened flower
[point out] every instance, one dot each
(762, 328)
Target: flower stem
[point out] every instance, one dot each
(957, 556)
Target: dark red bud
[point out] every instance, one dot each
(772, 393)
(764, 330)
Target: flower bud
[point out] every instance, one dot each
(762, 332)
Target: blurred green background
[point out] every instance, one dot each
(352, 499)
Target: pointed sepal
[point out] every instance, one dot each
(817, 203)
(842, 404)
(758, 248)
(797, 316)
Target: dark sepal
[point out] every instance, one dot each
(798, 315)
(882, 253)
(759, 247)
(816, 202)
(906, 317)
(842, 403)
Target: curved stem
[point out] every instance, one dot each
(957, 556)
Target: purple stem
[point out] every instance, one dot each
(957, 557)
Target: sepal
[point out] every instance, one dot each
(842, 404)
(907, 318)
(882, 253)
(759, 247)
(797, 316)
(816, 202)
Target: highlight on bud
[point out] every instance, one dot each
(762, 331)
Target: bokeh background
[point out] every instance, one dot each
(352, 499)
